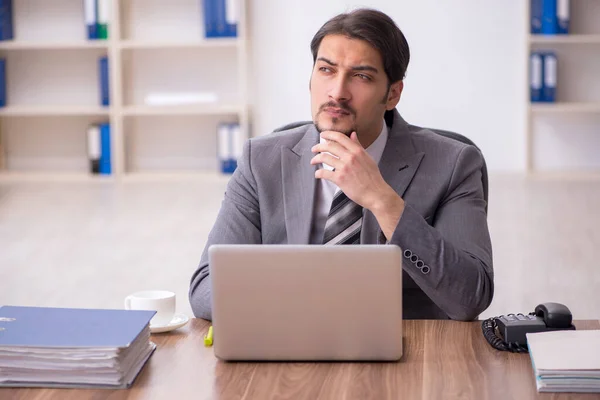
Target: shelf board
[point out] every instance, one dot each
(9, 177)
(67, 45)
(52, 177)
(564, 39)
(43, 111)
(200, 43)
(197, 109)
(176, 176)
(567, 175)
(565, 107)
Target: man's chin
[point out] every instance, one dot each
(332, 126)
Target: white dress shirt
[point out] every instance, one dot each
(326, 190)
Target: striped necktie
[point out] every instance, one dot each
(344, 221)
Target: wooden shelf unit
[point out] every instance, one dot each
(561, 136)
(52, 80)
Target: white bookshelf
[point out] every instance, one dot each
(210, 109)
(49, 110)
(154, 46)
(34, 45)
(563, 138)
(183, 44)
(565, 39)
(567, 107)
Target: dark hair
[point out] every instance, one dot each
(375, 28)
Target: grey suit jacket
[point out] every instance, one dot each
(270, 198)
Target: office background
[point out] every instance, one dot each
(468, 73)
(78, 242)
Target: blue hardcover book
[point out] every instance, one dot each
(90, 10)
(563, 16)
(6, 20)
(210, 29)
(104, 83)
(228, 166)
(536, 16)
(536, 77)
(105, 152)
(2, 82)
(550, 77)
(549, 17)
(70, 327)
(219, 18)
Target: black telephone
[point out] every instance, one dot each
(507, 332)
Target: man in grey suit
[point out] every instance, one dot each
(361, 174)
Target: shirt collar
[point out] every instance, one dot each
(376, 148)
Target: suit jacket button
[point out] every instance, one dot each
(407, 253)
(419, 264)
(425, 269)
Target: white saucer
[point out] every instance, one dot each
(178, 321)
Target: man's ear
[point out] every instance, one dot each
(394, 95)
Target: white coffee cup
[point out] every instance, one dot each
(161, 301)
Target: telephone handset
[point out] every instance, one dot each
(507, 332)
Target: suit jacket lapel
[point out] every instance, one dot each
(398, 165)
(298, 181)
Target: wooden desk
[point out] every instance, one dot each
(442, 360)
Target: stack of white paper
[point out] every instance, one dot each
(566, 361)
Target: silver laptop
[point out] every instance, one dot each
(306, 302)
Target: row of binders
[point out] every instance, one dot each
(103, 81)
(221, 18)
(96, 14)
(550, 17)
(73, 348)
(98, 149)
(229, 137)
(543, 76)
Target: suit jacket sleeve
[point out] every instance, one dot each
(238, 222)
(456, 247)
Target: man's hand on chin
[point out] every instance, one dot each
(358, 176)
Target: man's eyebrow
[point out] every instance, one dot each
(327, 61)
(365, 68)
(354, 68)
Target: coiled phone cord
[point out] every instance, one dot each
(489, 328)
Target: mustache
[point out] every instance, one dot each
(342, 106)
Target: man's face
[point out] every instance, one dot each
(349, 87)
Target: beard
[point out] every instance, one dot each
(335, 120)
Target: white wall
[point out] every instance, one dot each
(468, 72)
